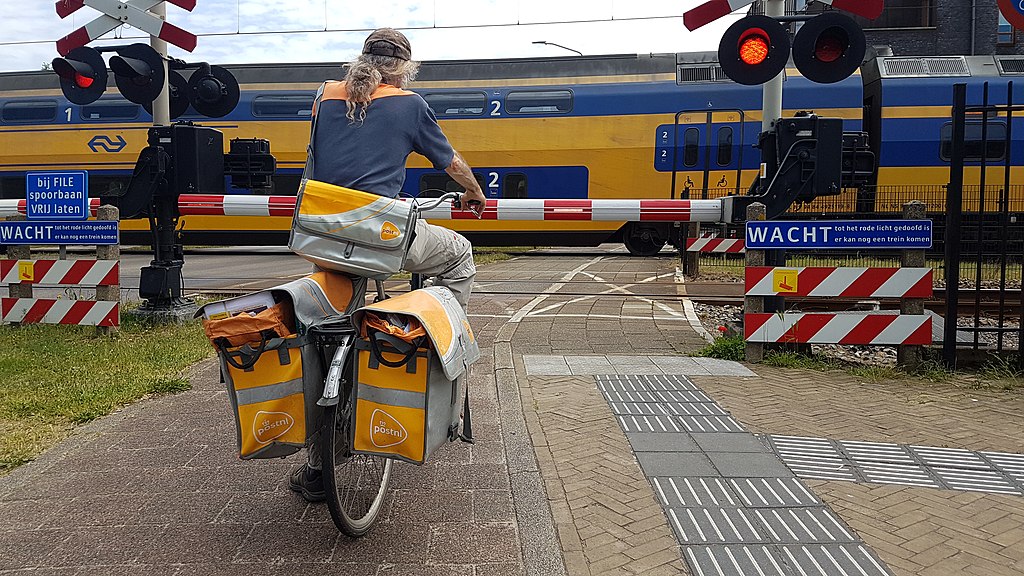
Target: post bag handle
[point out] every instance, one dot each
(265, 337)
(403, 347)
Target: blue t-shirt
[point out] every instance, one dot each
(371, 155)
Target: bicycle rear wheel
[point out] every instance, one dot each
(355, 484)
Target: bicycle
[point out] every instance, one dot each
(355, 484)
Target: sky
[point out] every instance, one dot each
(264, 31)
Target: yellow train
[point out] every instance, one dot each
(627, 126)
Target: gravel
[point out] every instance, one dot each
(717, 318)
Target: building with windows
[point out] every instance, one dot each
(938, 27)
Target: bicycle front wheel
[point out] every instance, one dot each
(355, 484)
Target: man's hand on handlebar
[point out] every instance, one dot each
(473, 200)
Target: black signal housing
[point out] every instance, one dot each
(829, 48)
(742, 50)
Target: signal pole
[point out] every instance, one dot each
(162, 104)
(772, 92)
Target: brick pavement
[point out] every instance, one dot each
(157, 489)
(551, 487)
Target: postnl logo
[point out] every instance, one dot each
(386, 430)
(389, 231)
(785, 281)
(26, 271)
(270, 425)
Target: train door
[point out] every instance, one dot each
(706, 151)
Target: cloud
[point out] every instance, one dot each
(232, 31)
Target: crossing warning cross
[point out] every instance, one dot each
(117, 13)
(712, 10)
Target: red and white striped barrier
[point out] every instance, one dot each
(49, 311)
(16, 207)
(822, 328)
(60, 272)
(715, 245)
(612, 210)
(708, 12)
(839, 282)
(500, 209)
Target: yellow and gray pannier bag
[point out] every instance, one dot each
(269, 364)
(412, 365)
(351, 231)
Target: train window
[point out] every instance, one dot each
(514, 185)
(994, 149)
(33, 111)
(283, 105)
(464, 104)
(724, 146)
(691, 138)
(538, 101)
(434, 184)
(110, 110)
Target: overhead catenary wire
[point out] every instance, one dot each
(327, 30)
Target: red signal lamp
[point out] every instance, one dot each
(83, 75)
(83, 81)
(754, 50)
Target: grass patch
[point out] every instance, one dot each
(54, 377)
(725, 348)
(802, 361)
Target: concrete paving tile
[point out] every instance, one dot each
(431, 506)
(27, 548)
(432, 570)
(669, 442)
(739, 465)
(729, 442)
(104, 545)
(492, 506)
(718, 367)
(472, 543)
(386, 542)
(289, 543)
(679, 365)
(675, 464)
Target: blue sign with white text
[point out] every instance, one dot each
(57, 195)
(92, 232)
(840, 234)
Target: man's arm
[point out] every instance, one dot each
(460, 171)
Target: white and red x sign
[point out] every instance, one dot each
(710, 11)
(117, 13)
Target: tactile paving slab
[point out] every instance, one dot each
(734, 506)
(909, 465)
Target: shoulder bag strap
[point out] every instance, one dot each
(308, 171)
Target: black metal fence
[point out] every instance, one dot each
(984, 229)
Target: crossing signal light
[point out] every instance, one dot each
(213, 91)
(754, 50)
(139, 73)
(828, 48)
(83, 75)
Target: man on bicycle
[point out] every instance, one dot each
(368, 126)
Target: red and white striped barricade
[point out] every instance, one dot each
(83, 273)
(713, 245)
(839, 282)
(862, 328)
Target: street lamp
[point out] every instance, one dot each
(559, 45)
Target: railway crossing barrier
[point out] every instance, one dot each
(21, 273)
(909, 330)
(715, 245)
